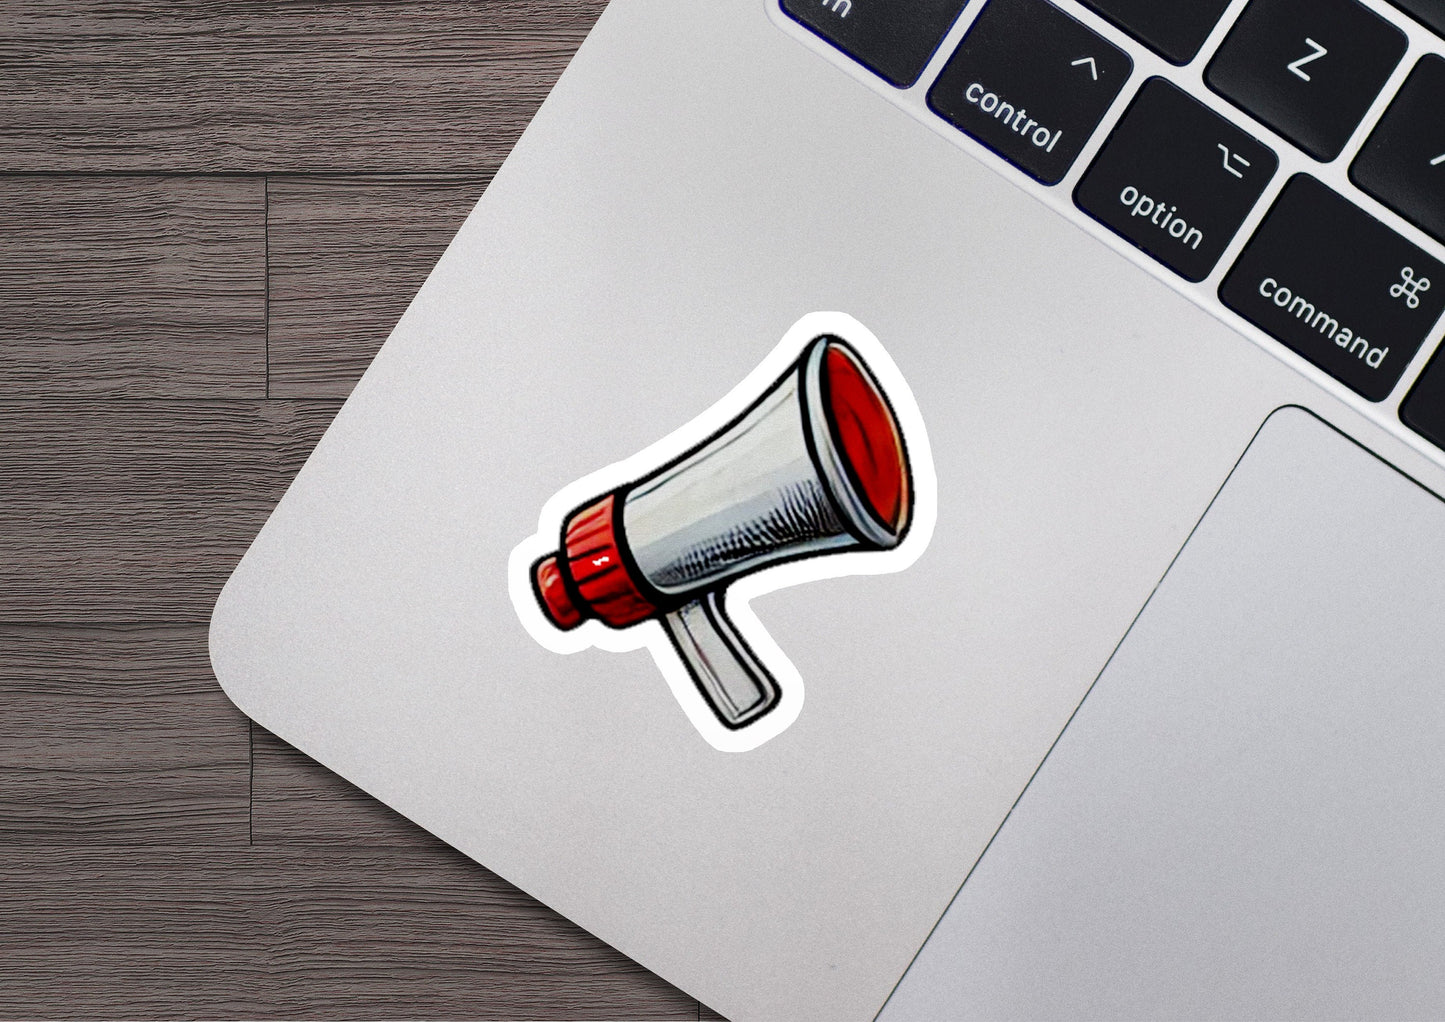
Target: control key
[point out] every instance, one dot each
(1031, 83)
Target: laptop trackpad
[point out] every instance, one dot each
(1245, 817)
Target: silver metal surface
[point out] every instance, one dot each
(699, 174)
(752, 496)
(1244, 818)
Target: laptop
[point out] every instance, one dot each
(919, 510)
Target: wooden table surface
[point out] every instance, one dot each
(213, 214)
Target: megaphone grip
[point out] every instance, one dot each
(732, 679)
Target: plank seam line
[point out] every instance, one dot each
(266, 262)
(101, 624)
(131, 623)
(100, 401)
(459, 176)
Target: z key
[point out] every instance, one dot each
(1307, 68)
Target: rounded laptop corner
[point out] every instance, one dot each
(226, 644)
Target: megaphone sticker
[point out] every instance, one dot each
(816, 465)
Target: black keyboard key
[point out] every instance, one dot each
(1424, 410)
(1176, 179)
(892, 38)
(1403, 163)
(1337, 286)
(1430, 13)
(1174, 29)
(1032, 84)
(1307, 68)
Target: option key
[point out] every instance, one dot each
(1176, 179)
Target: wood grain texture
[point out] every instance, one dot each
(365, 934)
(128, 933)
(138, 510)
(273, 933)
(138, 458)
(206, 86)
(297, 801)
(110, 735)
(139, 287)
(347, 256)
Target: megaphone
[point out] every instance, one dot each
(816, 465)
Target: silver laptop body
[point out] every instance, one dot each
(702, 178)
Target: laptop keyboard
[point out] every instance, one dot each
(1227, 107)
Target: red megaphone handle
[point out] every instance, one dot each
(730, 676)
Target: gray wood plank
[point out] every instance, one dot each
(346, 257)
(304, 86)
(317, 933)
(297, 801)
(140, 287)
(138, 510)
(370, 934)
(129, 933)
(118, 734)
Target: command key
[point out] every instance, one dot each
(1338, 287)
